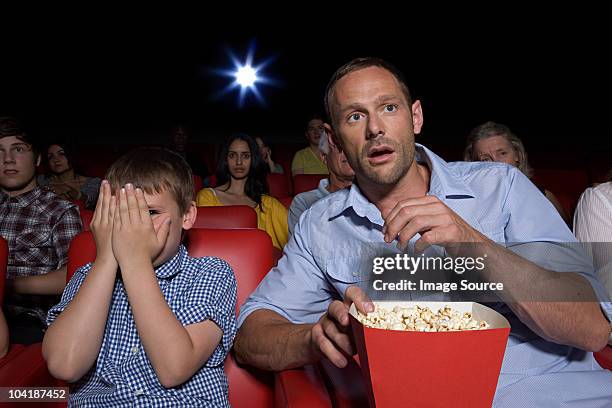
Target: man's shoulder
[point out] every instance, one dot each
(305, 199)
(326, 207)
(484, 176)
(479, 169)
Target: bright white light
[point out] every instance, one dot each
(246, 76)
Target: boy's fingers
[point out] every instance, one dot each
(143, 207)
(98, 212)
(105, 191)
(117, 217)
(112, 208)
(132, 203)
(163, 232)
(124, 215)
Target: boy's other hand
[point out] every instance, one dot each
(102, 225)
(136, 238)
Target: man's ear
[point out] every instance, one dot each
(417, 117)
(190, 216)
(332, 139)
(38, 156)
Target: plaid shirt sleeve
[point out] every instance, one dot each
(70, 292)
(67, 227)
(213, 297)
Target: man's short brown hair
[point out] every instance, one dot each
(155, 169)
(10, 126)
(358, 64)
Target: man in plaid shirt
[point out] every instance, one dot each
(38, 227)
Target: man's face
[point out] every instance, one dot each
(17, 166)
(375, 124)
(313, 131)
(180, 138)
(338, 164)
(164, 203)
(497, 149)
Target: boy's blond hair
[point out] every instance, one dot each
(154, 170)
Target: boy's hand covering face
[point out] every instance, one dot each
(135, 236)
(102, 224)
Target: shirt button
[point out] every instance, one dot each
(134, 350)
(139, 392)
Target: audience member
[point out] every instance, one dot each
(495, 142)
(340, 176)
(308, 160)
(38, 227)
(405, 194)
(593, 225)
(180, 145)
(241, 180)
(266, 155)
(64, 181)
(145, 324)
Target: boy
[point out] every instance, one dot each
(145, 324)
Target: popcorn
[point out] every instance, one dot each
(421, 319)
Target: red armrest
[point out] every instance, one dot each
(27, 368)
(604, 357)
(13, 351)
(301, 387)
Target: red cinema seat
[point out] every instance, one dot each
(306, 182)
(226, 216)
(86, 217)
(604, 357)
(572, 181)
(249, 253)
(3, 264)
(279, 185)
(286, 201)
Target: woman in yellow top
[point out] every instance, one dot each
(241, 179)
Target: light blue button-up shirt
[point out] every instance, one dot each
(336, 238)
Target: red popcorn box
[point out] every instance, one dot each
(432, 369)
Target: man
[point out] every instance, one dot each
(308, 160)
(404, 193)
(340, 176)
(38, 227)
(180, 145)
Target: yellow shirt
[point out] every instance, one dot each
(309, 162)
(273, 219)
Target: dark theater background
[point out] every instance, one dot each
(549, 80)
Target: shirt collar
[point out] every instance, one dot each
(172, 266)
(444, 183)
(25, 199)
(323, 183)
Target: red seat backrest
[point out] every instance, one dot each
(226, 216)
(3, 266)
(572, 181)
(279, 185)
(249, 253)
(86, 217)
(286, 201)
(306, 182)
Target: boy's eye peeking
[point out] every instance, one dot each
(153, 212)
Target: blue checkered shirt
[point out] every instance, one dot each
(196, 289)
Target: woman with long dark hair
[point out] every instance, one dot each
(241, 180)
(64, 181)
